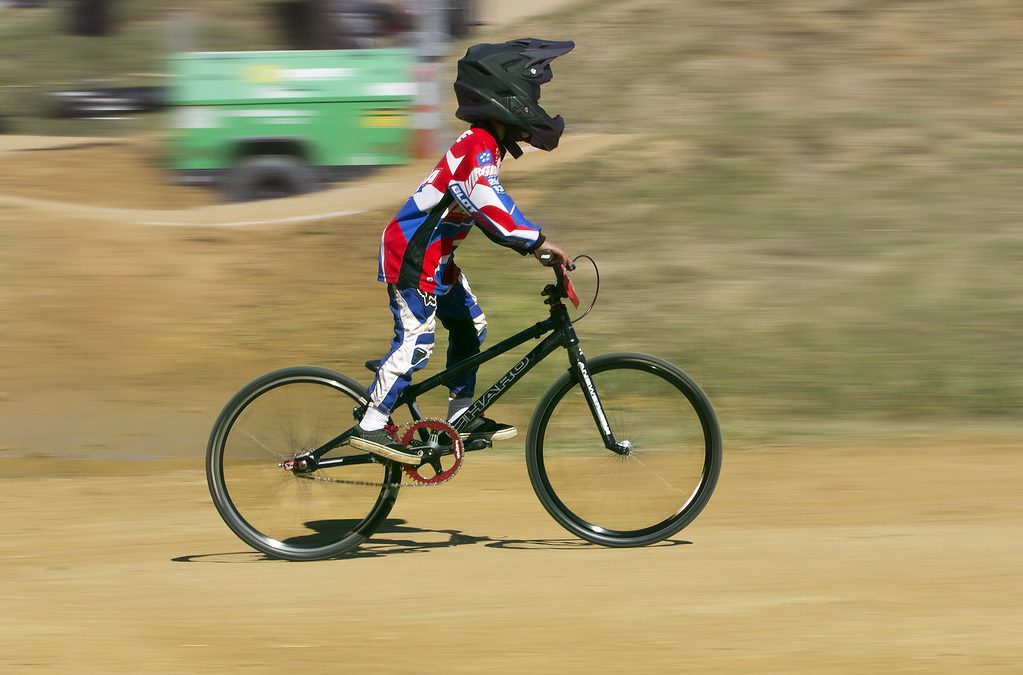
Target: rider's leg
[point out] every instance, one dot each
(414, 314)
(462, 316)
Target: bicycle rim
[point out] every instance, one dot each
(279, 512)
(639, 498)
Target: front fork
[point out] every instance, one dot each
(582, 376)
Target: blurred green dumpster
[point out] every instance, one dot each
(273, 124)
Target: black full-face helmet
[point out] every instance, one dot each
(501, 83)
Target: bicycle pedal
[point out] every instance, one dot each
(478, 444)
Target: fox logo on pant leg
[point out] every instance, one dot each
(429, 299)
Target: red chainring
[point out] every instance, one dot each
(435, 429)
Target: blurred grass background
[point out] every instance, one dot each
(814, 209)
(823, 218)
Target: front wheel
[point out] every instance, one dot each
(274, 508)
(654, 490)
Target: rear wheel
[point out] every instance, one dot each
(263, 499)
(654, 490)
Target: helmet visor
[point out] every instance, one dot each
(539, 54)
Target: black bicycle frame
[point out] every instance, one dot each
(562, 334)
(558, 337)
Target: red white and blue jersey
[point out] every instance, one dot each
(461, 191)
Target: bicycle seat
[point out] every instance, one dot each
(373, 365)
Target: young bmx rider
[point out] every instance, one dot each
(498, 92)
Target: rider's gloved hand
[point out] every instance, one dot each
(550, 254)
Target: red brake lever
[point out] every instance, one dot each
(569, 291)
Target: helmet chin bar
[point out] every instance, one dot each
(542, 138)
(546, 138)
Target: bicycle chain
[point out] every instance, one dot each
(367, 483)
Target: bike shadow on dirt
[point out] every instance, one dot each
(396, 537)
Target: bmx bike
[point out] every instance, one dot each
(622, 450)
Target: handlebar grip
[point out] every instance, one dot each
(546, 257)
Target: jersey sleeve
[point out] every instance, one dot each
(475, 187)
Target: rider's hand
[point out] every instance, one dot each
(556, 255)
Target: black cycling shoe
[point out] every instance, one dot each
(487, 429)
(379, 442)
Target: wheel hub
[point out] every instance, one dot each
(304, 463)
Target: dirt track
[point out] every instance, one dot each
(829, 561)
(122, 341)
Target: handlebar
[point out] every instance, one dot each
(563, 288)
(546, 257)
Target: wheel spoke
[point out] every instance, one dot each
(635, 458)
(263, 445)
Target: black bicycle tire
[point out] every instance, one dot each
(221, 497)
(578, 526)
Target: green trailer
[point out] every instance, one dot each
(270, 124)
